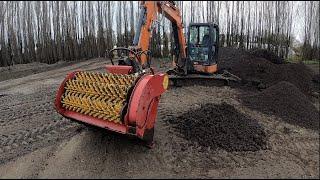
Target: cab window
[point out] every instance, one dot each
(204, 35)
(200, 35)
(194, 35)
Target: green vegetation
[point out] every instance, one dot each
(296, 59)
(311, 61)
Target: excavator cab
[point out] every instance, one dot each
(202, 47)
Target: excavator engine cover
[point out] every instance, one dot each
(118, 101)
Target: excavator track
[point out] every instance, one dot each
(100, 95)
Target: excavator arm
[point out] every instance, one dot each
(148, 14)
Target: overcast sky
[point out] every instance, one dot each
(298, 20)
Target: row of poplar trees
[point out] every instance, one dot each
(51, 31)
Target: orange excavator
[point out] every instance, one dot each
(125, 98)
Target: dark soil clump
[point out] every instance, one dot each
(316, 78)
(286, 101)
(268, 55)
(221, 126)
(261, 71)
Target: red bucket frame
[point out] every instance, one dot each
(142, 108)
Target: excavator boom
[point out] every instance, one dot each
(149, 11)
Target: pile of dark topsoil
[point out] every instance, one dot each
(286, 101)
(258, 70)
(220, 127)
(268, 55)
(316, 78)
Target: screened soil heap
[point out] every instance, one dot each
(256, 69)
(286, 101)
(220, 127)
(316, 78)
(269, 55)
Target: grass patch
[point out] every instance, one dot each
(296, 59)
(311, 61)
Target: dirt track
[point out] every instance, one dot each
(36, 142)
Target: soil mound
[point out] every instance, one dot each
(316, 78)
(254, 69)
(220, 126)
(286, 101)
(268, 55)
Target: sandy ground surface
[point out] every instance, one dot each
(37, 142)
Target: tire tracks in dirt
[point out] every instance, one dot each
(53, 74)
(18, 143)
(30, 125)
(29, 120)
